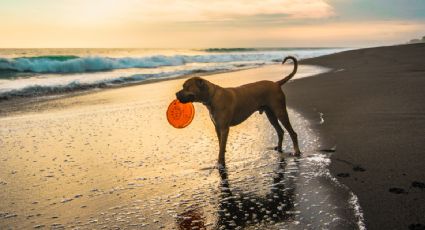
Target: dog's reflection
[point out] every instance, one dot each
(191, 219)
(238, 209)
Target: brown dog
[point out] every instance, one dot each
(231, 106)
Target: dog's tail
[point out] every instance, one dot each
(287, 78)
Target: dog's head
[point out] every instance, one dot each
(194, 89)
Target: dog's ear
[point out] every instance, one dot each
(201, 84)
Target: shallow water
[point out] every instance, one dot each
(122, 166)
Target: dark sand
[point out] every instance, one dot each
(373, 110)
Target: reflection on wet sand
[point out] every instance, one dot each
(191, 219)
(240, 207)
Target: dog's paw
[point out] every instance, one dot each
(278, 149)
(296, 154)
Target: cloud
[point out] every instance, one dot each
(197, 23)
(108, 12)
(222, 10)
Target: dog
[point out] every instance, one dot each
(231, 106)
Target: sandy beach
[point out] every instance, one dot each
(109, 159)
(372, 108)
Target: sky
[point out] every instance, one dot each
(212, 23)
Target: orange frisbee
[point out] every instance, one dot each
(180, 115)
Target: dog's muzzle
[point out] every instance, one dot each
(185, 97)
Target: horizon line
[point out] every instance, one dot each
(196, 48)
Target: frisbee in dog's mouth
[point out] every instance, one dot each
(180, 115)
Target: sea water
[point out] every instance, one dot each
(35, 72)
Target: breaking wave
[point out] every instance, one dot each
(73, 64)
(77, 64)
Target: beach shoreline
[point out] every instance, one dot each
(20, 103)
(370, 110)
(23, 104)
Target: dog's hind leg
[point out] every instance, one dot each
(284, 119)
(275, 123)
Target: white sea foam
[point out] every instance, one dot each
(354, 202)
(317, 184)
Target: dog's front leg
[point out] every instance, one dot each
(217, 131)
(224, 132)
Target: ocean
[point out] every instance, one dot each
(38, 72)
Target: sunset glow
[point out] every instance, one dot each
(191, 23)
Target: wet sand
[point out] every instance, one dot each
(109, 159)
(371, 110)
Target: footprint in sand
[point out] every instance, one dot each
(416, 227)
(343, 175)
(417, 184)
(397, 190)
(358, 168)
